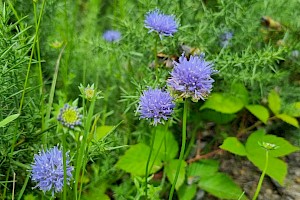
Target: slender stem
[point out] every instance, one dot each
(183, 142)
(64, 165)
(262, 176)
(147, 164)
(155, 57)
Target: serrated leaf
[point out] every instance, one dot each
(274, 102)
(293, 109)
(277, 169)
(171, 168)
(253, 147)
(135, 159)
(8, 119)
(187, 192)
(203, 168)
(260, 112)
(240, 91)
(256, 154)
(233, 145)
(288, 119)
(217, 117)
(165, 144)
(223, 103)
(221, 186)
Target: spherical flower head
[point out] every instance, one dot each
(161, 23)
(192, 78)
(48, 172)
(69, 116)
(156, 105)
(112, 35)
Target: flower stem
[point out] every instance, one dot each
(64, 165)
(183, 142)
(147, 164)
(261, 177)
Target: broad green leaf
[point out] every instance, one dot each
(9, 119)
(274, 102)
(96, 193)
(102, 131)
(165, 144)
(217, 117)
(240, 91)
(277, 169)
(135, 159)
(288, 119)
(187, 192)
(171, 168)
(203, 168)
(223, 103)
(253, 147)
(260, 112)
(221, 186)
(293, 109)
(233, 145)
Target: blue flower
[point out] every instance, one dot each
(156, 105)
(225, 39)
(69, 116)
(48, 172)
(161, 23)
(112, 36)
(192, 78)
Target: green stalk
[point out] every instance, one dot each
(183, 142)
(147, 164)
(261, 177)
(64, 165)
(155, 57)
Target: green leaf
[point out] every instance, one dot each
(171, 168)
(102, 131)
(277, 169)
(293, 109)
(233, 145)
(253, 147)
(288, 119)
(217, 117)
(223, 103)
(187, 192)
(221, 186)
(240, 91)
(135, 159)
(203, 168)
(260, 112)
(9, 119)
(256, 154)
(165, 144)
(274, 102)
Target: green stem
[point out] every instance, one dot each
(262, 176)
(183, 142)
(155, 57)
(64, 165)
(147, 164)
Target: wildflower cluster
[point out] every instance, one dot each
(156, 105)
(192, 78)
(162, 24)
(47, 170)
(69, 116)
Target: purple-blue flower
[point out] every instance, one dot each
(225, 39)
(112, 36)
(161, 23)
(192, 78)
(48, 172)
(155, 105)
